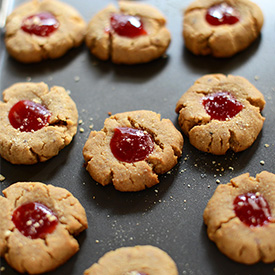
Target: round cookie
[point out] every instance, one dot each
(225, 40)
(216, 135)
(159, 152)
(138, 260)
(22, 243)
(234, 237)
(149, 43)
(68, 31)
(29, 147)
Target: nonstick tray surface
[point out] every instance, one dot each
(168, 215)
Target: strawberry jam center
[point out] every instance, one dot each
(41, 24)
(252, 209)
(131, 145)
(222, 14)
(127, 25)
(28, 116)
(221, 106)
(34, 220)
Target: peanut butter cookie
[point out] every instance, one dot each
(138, 260)
(221, 112)
(240, 218)
(134, 33)
(39, 30)
(38, 222)
(35, 122)
(132, 149)
(221, 28)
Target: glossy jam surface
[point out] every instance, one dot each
(222, 14)
(28, 116)
(41, 24)
(221, 106)
(131, 145)
(252, 209)
(34, 220)
(127, 25)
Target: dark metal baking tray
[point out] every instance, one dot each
(168, 215)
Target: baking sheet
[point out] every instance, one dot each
(168, 215)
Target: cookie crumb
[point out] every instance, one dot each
(2, 178)
(76, 78)
(208, 186)
(80, 122)
(262, 162)
(28, 78)
(81, 130)
(266, 145)
(68, 92)
(109, 113)
(230, 168)
(91, 126)
(97, 241)
(218, 181)
(2, 268)
(256, 77)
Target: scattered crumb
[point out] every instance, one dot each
(109, 113)
(81, 130)
(208, 186)
(2, 268)
(266, 145)
(83, 183)
(218, 181)
(188, 185)
(156, 190)
(28, 78)
(80, 121)
(2, 178)
(76, 78)
(68, 92)
(230, 168)
(97, 241)
(91, 126)
(93, 197)
(262, 162)
(256, 77)
(184, 201)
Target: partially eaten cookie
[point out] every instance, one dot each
(221, 112)
(132, 149)
(134, 33)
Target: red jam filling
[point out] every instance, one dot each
(252, 209)
(34, 220)
(222, 14)
(221, 106)
(41, 24)
(127, 25)
(131, 145)
(28, 116)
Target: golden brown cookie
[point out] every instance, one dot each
(38, 222)
(233, 26)
(221, 112)
(132, 149)
(240, 218)
(28, 42)
(44, 131)
(143, 37)
(138, 260)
